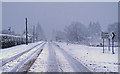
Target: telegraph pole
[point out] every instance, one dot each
(26, 33)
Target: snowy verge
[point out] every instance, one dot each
(92, 57)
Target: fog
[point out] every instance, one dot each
(55, 16)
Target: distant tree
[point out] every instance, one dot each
(30, 30)
(94, 29)
(40, 33)
(76, 32)
(59, 36)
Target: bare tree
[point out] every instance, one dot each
(39, 33)
(76, 32)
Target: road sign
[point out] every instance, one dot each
(113, 35)
(105, 35)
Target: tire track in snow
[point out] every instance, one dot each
(53, 63)
(76, 65)
(18, 55)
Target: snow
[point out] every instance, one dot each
(92, 57)
(12, 51)
(46, 63)
(52, 59)
(11, 35)
(64, 63)
(9, 66)
(41, 62)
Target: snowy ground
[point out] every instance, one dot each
(92, 57)
(71, 58)
(10, 65)
(46, 62)
(53, 59)
(12, 51)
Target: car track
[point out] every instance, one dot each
(76, 65)
(26, 59)
(18, 55)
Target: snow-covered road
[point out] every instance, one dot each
(56, 60)
(60, 57)
(47, 61)
(53, 63)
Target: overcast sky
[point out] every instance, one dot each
(53, 15)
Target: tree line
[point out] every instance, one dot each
(77, 32)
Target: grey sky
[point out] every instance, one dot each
(53, 15)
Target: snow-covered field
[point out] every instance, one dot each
(92, 57)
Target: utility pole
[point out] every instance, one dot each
(26, 32)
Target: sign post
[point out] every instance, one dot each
(104, 35)
(103, 45)
(109, 44)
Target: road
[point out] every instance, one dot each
(44, 57)
(57, 60)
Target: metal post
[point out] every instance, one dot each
(103, 45)
(113, 46)
(26, 33)
(109, 44)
